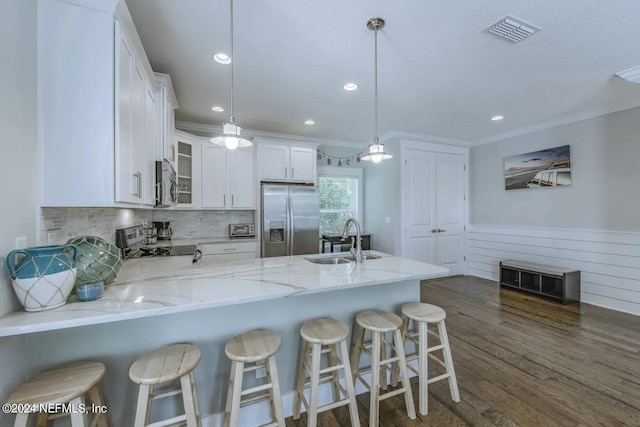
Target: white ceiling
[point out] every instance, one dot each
(440, 73)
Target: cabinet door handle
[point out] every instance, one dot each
(232, 201)
(230, 249)
(440, 230)
(140, 185)
(137, 191)
(292, 175)
(224, 200)
(285, 171)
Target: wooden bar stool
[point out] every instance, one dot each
(379, 323)
(258, 348)
(422, 314)
(176, 361)
(316, 334)
(66, 384)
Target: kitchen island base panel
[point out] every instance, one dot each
(118, 344)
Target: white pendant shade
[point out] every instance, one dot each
(376, 153)
(230, 137)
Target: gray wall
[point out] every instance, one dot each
(604, 170)
(382, 200)
(19, 171)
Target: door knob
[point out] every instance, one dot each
(433, 230)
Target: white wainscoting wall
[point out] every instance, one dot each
(609, 261)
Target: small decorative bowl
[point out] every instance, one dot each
(89, 291)
(98, 260)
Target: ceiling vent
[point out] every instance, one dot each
(512, 29)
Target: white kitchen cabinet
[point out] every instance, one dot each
(151, 136)
(94, 107)
(167, 103)
(280, 162)
(227, 177)
(229, 251)
(214, 176)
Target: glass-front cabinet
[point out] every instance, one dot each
(185, 173)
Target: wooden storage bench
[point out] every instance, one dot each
(554, 282)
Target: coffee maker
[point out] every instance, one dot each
(164, 230)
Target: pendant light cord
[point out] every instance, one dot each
(232, 57)
(375, 33)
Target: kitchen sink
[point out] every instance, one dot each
(333, 260)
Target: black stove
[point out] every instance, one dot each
(131, 241)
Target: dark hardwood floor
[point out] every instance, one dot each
(522, 361)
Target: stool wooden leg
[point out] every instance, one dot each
(95, 397)
(316, 352)
(333, 358)
(272, 371)
(22, 420)
(300, 377)
(348, 379)
(42, 420)
(374, 393)
(404, 373)
(358, 340)
(383, 356)
(78, 419)
(233, 396)
(453, 382)
(423, 368)
(144, 406)
(194, 393)
(189, 404)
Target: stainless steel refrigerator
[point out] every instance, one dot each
(290, 220)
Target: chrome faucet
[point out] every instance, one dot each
(357, 251)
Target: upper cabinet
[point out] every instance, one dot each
(188, 154)
(227, 177)
(99, 107)
(287, 163)
(167, 103)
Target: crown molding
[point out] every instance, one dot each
(631, 74)
(421, 137)
(585, 115)
(214, 129)
(108, 6)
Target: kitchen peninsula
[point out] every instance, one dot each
(155, 302)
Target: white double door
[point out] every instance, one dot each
(434, 214)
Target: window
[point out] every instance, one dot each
(340, 197)
(546, 179)
(563, 178)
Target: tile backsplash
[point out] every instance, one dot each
(57, 225)
(189, 224)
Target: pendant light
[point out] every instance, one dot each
(376, 150)
(231, 131)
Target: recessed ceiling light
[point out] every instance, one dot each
(222, 58)
(309, 122)
(350, 86)
(217, 109)
(496, 118)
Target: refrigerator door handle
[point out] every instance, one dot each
(290, 225)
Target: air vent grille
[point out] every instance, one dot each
(512, 29)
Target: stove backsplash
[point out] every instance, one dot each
(57, 225)
(191, 224)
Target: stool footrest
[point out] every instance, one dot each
(169, 422)
(438, 378)
(256, 389)
(333, 405)
(254, 367)
(392, 393)
(264, 395)
(166, 394)
(435, 348)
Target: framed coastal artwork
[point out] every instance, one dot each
(544, 168)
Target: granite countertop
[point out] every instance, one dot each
(156, 286)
